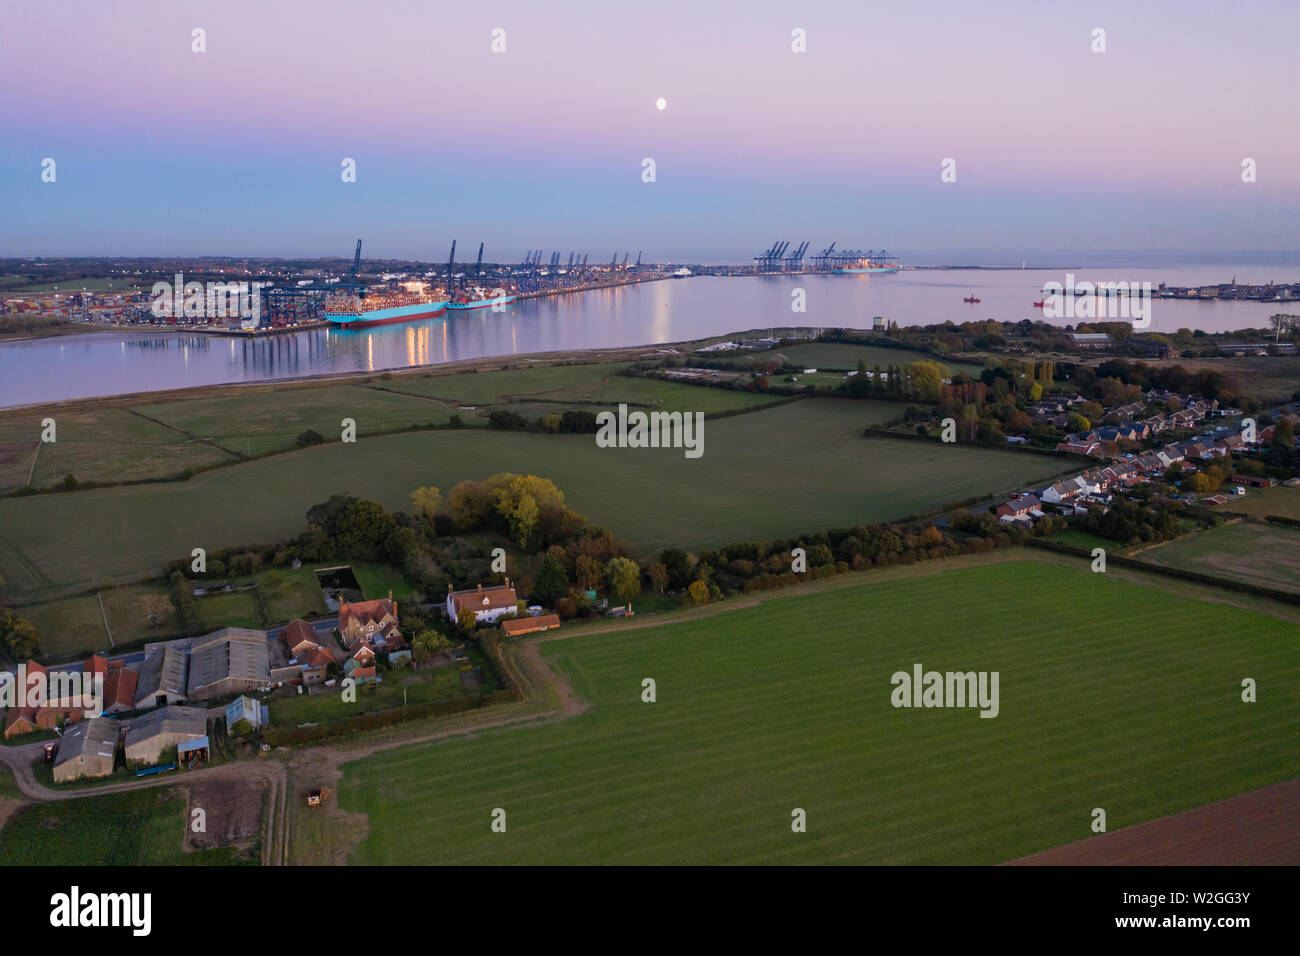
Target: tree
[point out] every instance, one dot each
(469, 504)
(426, 500)
(624, 578)
(467, 620)
(428, 642)
(699, 592)
(589, 572)
(363, 527)
(925, 379)
(154, 608)
(678, 565)
(551, 581)
(657, 575)
(1077, 423)
(20, 636)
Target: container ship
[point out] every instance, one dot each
(868, 264)
(480, 300)
(353, 311)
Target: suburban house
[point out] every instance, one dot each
(87, 750)
(489, 604)
(228, 661)
(149, 737)
(530, 625)
(1077, 446)
(370, 624)
(1026, 505)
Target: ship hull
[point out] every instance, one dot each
(854, 272)
(480, 303)
(404, 313)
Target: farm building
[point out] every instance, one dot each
(1253, 481)
(243, 708)
(148, 737)
(120, 689)
(489, 604)
(228, 661)
(530, 625)
(1090, 340)
(162, 677)
(87, 750)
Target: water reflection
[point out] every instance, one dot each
(41, 370)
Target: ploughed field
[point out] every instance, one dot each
(1111, 694)
(791, 469)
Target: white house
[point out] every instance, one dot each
(488, 604)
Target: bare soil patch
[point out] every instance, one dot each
(1260, 828)
(233, 808)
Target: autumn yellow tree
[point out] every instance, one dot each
(426, 500)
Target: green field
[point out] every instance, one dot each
(1278, 500)
(401, 687)
(75, 626)
(118, 442)
(95, 444)
(783, 471)
(787, 704)
(144, 828)
(1267, 555)
(835, 355)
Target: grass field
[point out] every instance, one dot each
(792, 469)
(403, 684)
(1278, 500)
(75, 626)
(145, 828)
(95, 444)
(1267, 555)
(117, 442)
(787, 705)
(836, 355)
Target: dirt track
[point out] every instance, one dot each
(1259, 828)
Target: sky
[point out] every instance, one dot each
(238, 150)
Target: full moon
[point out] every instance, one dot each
(661, 103)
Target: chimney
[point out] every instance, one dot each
(390, 594)
(480, 587)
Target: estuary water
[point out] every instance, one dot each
(670, 310)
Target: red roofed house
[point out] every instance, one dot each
(311, 656)
(488, 604)
(372, 624)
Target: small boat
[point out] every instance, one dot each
(970, 298)
(1039, 304)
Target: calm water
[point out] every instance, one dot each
(109, 363)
